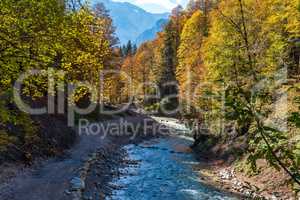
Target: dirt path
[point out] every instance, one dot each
(51, 179)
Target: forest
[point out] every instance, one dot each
(235, 61)
(231, 65)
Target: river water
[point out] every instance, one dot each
(166, 171)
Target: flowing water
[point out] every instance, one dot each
(166, 170)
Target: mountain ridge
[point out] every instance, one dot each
(150, 34)
(130, 20)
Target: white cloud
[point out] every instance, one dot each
(157, 5)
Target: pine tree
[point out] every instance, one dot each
(168, 82)
(134, 50)
(129, 48)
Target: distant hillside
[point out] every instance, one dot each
(130, 20)
(150, 34)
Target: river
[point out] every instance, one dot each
(165, 170)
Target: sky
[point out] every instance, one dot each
(157, 6)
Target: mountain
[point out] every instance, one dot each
(150, 34)
(130, 20)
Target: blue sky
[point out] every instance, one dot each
(157, 6)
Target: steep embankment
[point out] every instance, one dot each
(40, 137)
(225, 166)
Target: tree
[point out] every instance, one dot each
(101, 13)
(190, 67)
(168, 82)
(129, 48)
(134, 49)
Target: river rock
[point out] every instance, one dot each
(227, 174)
(77, 184)
(67, 192)
(86, 197)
